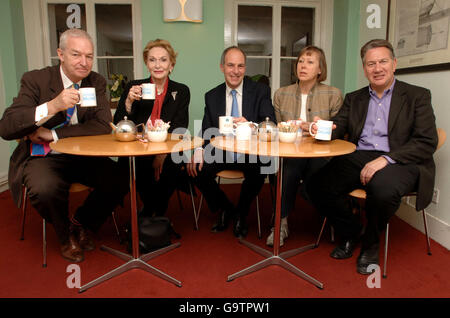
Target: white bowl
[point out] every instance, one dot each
(288, 137)
(157, 136)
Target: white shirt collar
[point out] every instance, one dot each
(66, 81)
(238, 89)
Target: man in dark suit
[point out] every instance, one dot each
(393, 127)
(43, 112)
(245, 100)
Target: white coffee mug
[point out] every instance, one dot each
(225, 125)
(148, 91)
(87, 97)
(324, 128)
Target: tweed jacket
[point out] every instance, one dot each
(323, 101)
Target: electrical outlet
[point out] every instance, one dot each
(435, 198)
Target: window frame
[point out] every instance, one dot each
(323, 29)
(37, 32)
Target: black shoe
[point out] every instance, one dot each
(222, 222)
(368, 256)
(82, 235)
(240, 228)
(345, 250)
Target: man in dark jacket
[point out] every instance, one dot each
(393, 127)
(245, 100)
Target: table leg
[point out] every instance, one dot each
(276, 238)
(276, 258)
(134, 260)
(134, 222)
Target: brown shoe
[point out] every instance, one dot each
(72, 251)
(84, 238)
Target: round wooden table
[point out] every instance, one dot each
(108, 146)
(304, 147)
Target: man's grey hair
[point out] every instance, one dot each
(76, 33)
(224, 53)
(374, 44)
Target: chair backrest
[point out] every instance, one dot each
(442, 136)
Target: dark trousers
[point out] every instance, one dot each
(294, 170)
(156, 194)
(216, 198)
(48, 180)
(329, 190)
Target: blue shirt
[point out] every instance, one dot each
(374, 135)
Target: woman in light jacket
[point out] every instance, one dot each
(303, 100)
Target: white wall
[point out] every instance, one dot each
(438, 214)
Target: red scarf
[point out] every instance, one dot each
(159, 99)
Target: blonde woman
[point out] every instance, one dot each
(157, 174)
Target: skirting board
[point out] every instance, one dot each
(3, 181)
(438, 230)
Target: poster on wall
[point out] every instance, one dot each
(419, 32)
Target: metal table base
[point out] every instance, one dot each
(134, 260)
(279, 260)
(276, 258)
(133, 263)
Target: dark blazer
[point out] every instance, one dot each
(38, 87)
(175, 106)
(256, 105)
(411, 128)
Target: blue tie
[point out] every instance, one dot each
(234, 106)
(234, 113)
(44, 148)
(71, 109)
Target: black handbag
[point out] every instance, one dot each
(155, 232)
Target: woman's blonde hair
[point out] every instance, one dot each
(165, 45)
